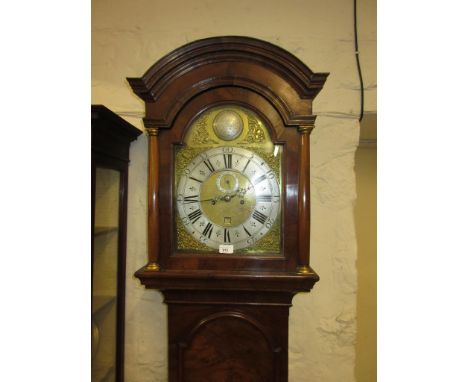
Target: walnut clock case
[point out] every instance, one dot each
(228, 122)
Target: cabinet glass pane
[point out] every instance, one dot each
(105, 267)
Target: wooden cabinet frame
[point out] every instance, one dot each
(110, 144)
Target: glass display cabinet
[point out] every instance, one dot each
(110, 143)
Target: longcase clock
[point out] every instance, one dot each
(228, 122)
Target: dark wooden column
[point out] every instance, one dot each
(303, 194)
(153, 198)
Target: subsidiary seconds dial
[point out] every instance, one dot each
(228, 195)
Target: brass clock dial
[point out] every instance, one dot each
(228, 185)
(228, 196)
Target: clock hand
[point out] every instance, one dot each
(242, 191)
(212, 200)
(207, 200)
(228, 197)
(225, 198)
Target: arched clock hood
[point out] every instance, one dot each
(224, 62)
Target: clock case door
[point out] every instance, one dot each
(222, 309)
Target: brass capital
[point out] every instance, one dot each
(152, 131)
(152, 267)
(306, 129)
(303, 269)
(307, 126)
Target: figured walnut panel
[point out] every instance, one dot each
(227, 336)
(228, 347)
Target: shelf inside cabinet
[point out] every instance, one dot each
(102, 230)
(110, 373)
(100, 302)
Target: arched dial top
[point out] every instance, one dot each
(228, 196)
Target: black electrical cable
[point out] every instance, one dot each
(356, 52)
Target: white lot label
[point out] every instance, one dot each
(226, 248)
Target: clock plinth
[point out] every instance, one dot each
(228, 120)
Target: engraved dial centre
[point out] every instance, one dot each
(233, 196)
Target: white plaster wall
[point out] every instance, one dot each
(129, 36)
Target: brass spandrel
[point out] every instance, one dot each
(273, 161)
(184, 155)
(256, 131)
(269, 244)
(201, 133)
(186, 242)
